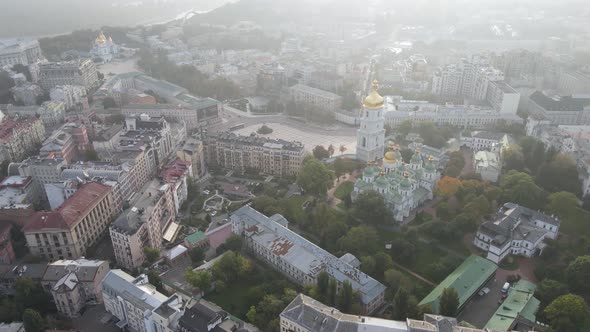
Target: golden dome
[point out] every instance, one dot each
(390, 155)
(101, 39)
(374, 99)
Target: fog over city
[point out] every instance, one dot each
(295, 165)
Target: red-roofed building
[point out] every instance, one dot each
(176, 173)
(76, 225)
(20, 136)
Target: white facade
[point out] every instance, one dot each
(70, 95)
(370, 137)
(104, 48)
(488, 165)
(19, 51)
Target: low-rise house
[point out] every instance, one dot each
(486, 140)
(515, 230)
(488, 165)
(75, 284)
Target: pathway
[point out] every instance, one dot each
(414, 274)
(346, 177)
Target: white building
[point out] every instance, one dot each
(371, 133)
(78, 72)
(404, 187)
(138, 305)
(315, 98)
(104, 48)
(516, 230)
(70, 95)
(19, 51)
(488, 165)
(486, 140)
(503, 97)
(299, 259)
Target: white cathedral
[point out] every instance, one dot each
(104, 48)
(404, 187)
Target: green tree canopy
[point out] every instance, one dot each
(199, 279)
(401, 304)
(578, 274)
(315, 178)
(360, 241)
(197, 255)
(151, 254)
(320, 152)
(345, 297)
(513, 158)
(559, 174)
(519, 188)
(449, 302)
(548, 290)
(568, 313)
(562, 203)
(33, 321)
(370, 208)
(231, 267)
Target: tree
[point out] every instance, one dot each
(567, 313)
(331, 150)
(449, 302)
(91, 155)
(29, 294)
(231, 266)
(368, 265)
(342, 149)
(401, 303)
(404, 128)
(443, 211)
(332, 291)
(548, 290)
(199, 279)
(519, 188)
(315, 178)
(109, 102)
(559, 174)
(6, 83)
(578, 274)
(323, 284)
(562, 203)
(264, 130)
(320, 152)
(395, 280)
(155, 280)
(447, 186)
(383, 262)
(370, 207)
(345, 297)
(151, 254)
(360, 241)
(197, 255)
(513, 158)
(33, 321)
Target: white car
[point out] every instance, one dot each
(206, 192)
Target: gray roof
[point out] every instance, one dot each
(563, 103)
(303, 254)
(318, 317)
(488, 135)
(135, 290)
(84, 269)
(254, 140)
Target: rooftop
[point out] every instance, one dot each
(487, 159)
(71, 211)
(314, 91)
(559, 103)
(8, 126)
(519, 303)
(137, 291)
(195, 237)
(256, 140)
(175, 170)
(466, 280)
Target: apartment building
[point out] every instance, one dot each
(305, 314)
(26, 94)
(560, 110)
(51, 113)
(140, 163)
(81, 72)
(42, 170)
(515, 230)
(73, 96)
(176, 174)
(19, 51)
(240, 153)
(138, 305)
(502, 97)
(315, 98)
(300, 260)
(193, 151)
(106, 139)
(59, 145)
(143, 225)
(146, 130)
(20, 137)
(76, 225)
(75, 284)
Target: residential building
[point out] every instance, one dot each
(124, 186)
(560, 110)
(140, 163)
(486, 140)
(75, 284)
(193, 151)
(305, 314)
(487, 164)
(77, 72)
(265, 155)
(194, 116)
(7, 255)
(42, 170)
(51, 113)
(518, 311)
(326, 80)
(371, 133)
(206, 316)
(19, 51)
(27, 94)
(59, 145)
(138, 305)
(315, 99)
(107, 138)
(76, 225)
(73, 96)
(515, 230)
(10, 273)
(467, 279)
(270, 240)
(146, 130)
(175, 174)
(20, 137)
(143, 225)
(573, 82)
(502, 97)
(57, 193)
(404, 186)
(104, 48)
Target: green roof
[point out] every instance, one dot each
(520, 300)
(196, 237)
(466, 280)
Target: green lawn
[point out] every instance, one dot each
(343, 189)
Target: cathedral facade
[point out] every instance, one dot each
(104, 48)
(371, 134)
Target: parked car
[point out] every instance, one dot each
(206, 192)
(505, 288)
(213, 213)
(484, 291)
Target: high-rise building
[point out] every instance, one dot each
(77, 72)
(371, 133)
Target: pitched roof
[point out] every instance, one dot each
(465, 279)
